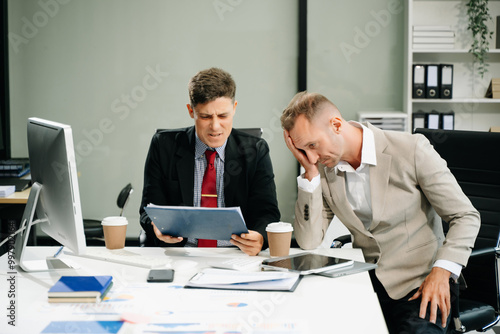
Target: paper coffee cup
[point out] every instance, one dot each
(115, 231)
(279, 236)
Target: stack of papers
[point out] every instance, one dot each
(7, 190)
(238, 280)
(80, 289)
(433, 37)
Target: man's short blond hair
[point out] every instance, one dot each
(303, 103)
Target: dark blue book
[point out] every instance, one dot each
(81, 286)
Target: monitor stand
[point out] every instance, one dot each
(21, 252)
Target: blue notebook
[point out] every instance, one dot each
(80, 286)
(198, 222)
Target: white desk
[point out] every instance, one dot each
(318, 305)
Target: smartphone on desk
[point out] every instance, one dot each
(161, 275)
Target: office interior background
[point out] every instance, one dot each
(116, 70)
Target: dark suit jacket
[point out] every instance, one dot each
(248, 178)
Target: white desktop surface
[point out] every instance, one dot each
(318, 305)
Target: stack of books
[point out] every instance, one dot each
(80, 289)
(14, 167)
(433, 37)
(13, 173)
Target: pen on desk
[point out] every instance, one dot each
(58, 251)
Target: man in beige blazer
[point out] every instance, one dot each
(390, 189)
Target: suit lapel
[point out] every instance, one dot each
(232, 158)
(379, 177)
(185, 165)
(336, 186)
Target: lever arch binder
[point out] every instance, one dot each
(418, 81)
(432, 81)
(446, 86)
(447, 121)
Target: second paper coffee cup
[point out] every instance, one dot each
(279, 236)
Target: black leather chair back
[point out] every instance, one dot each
(474, 159)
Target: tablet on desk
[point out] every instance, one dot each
(306, 263)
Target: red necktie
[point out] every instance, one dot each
(209, 192)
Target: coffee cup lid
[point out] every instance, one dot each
(114, 221)
(279, 227)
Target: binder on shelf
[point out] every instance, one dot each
(446, 84)
(447, 121)
(418, 120)
(418, 81)
(432, 81)
(432, 120)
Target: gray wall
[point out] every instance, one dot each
(116, 70)
(356, 54)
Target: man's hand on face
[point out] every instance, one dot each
(311, 169)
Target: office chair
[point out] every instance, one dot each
(92, 227)
(474, 159)
(257, 132)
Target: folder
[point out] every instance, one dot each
(198, 222)
(433, 120)
(447, 121)
(418, 81)
(225, 279)
(446, 85)
(418, 120)
(432, 81)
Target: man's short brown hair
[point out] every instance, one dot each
(208, 85)
(303, 103)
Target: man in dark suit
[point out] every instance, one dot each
(176, 163)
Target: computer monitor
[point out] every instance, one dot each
(54, 196)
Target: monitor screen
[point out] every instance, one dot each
(54, 196)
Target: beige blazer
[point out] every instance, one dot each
(411, 190)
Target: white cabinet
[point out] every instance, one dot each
(472, 110)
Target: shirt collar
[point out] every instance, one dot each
(200, 148)
(368, 153)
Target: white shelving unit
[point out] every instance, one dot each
(472, 110)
